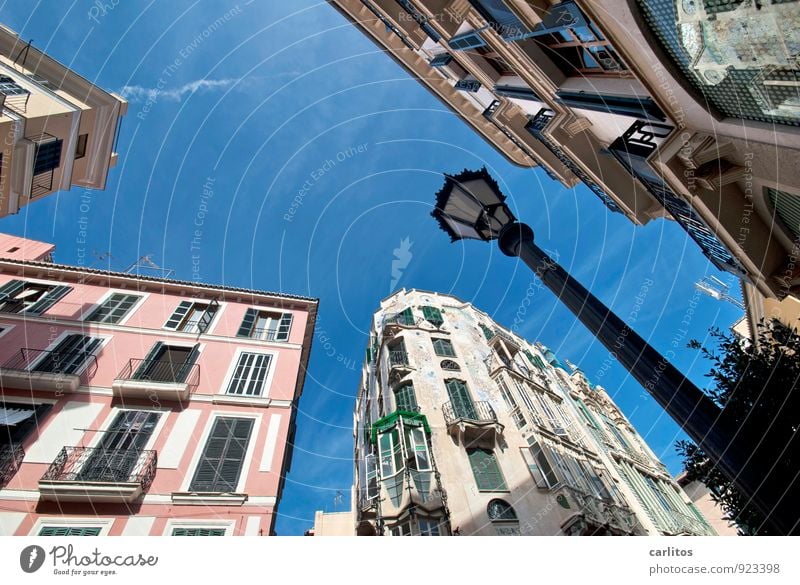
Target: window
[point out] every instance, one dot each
(511, 404)
(617, 433)
(114, 308)
(433, 316)
(633, 106)
(500, 511)
(429, 527)
(467, 40)
(450, 365)
(787, 208)
(198, 532)
(487, 333)
(69, 531)
(47, 155)
(390, 452)
(17, 421)
(405, 398)
(441, 60)
(539, 464)
(486, 470)
(250, 374)
(10, 87)
(80, 148)
(266, 325)
(516, 92)
(460, 400)
(171, 364)
(443, 348)
(404, 317)
(69, 355)
(401, 529)
(659, 495)
(397, 353)
(417, 446)
(192, 317)
(403, 443)
(502, 18)
(223, 456)
(31, 298)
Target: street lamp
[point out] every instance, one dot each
(471, 206)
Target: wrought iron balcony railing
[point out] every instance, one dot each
(40, 361)
(477, 412)
(100, 465)
(11, 457)
(398, 358)
(17, 102)
(164, 372)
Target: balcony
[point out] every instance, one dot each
(594, 516)
(682, 525)
(156, 380)
(17, 101)
(38, 369)
(96, 474)
(473, 423)
(11, 457)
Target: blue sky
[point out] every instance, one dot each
(323, 156)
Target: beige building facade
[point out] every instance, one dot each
(463, 428)
(661, 107)
(58, 129)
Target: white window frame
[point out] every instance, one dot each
(104, 524)
(201, 445)
(121, 291)
(228, 525)
(104, 339)
(266, 391)
(194, 300)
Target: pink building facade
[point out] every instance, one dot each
(141, 406)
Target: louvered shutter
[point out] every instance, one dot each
(48, 300)
(406, 316)
(10, 289)
(221, 463)
(144, 366)
(246, 328)
(208, 316)
(284, 327)
(187, 365)
(178, 315)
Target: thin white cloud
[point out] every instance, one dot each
(138, 93)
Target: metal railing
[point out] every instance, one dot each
(678, 523)
(264, 334)
(398, 358)
(11, 457)
(17, 102)
(161, 371)
(42, 183)
(481, 412)
(41, 361)
(98, 464)
(601, 513)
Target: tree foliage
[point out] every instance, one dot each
(756, 384)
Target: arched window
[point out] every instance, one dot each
(501, 511)
(450, 365)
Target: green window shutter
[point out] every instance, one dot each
(405, 398)
(443, 348)
(246, 328)
(176, 318)
(69, 531)
(407, 316)
(113, 309)
(432, 315)
(148, 359)
(9, 289)
(208, 316)
(198, 532)
(487, 333)
(284, 327)
(48, 300)
(223, 456)
(486, 470)
(186, 368)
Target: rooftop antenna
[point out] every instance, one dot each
(716, 289)
(146, 263)
(24, 50)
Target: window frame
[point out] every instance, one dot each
(247, 461)
(195, 301)
(37, 281)
(104, 524)
(259, 312)
(503, 488)
(104, 339)
(106, 297)
(402, 387)
(233, 366)
(448, 342)
(228, 526)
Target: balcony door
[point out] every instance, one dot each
(463, 407)
(167, 363)
(115, 457)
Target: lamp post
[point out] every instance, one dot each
(471, 206)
